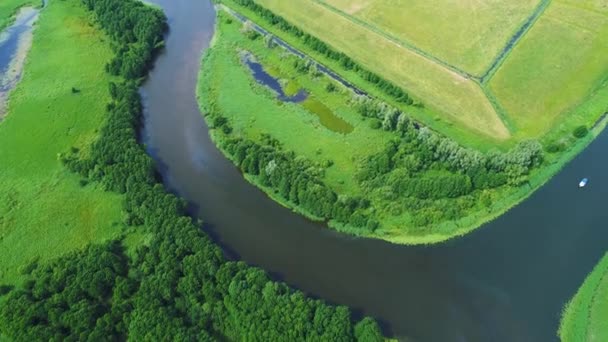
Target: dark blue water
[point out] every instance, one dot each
(264, 78)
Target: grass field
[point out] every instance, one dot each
(9, 7)
(44, 211)
(531, 91)
(467, 34)
(459, 99)
(585, 317)
(557, 65)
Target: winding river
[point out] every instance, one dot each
(508, 281)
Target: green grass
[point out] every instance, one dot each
(556, 66)
(295, 125)
(8, 8)
(44, 211)
(455, 105)
(468, 34)
(585, 317)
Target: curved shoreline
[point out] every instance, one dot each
(509, 275)
(512, 197)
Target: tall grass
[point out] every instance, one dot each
(44, 209)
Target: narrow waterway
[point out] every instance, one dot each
(15, 42)
(507, 281)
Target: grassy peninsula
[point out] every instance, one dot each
(584, 317)
(387, 177)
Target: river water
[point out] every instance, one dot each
(507, 281)
(15, 42)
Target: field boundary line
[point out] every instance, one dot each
(513, 41)
(400, 42)
(499, 109)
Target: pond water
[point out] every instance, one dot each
(326, 117)
(15, 42)
(507, 281)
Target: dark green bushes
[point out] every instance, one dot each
(580, 132)
(136, 30)
(297, 180)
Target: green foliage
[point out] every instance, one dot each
(137, 30)
(4, 289)
(584, 317)
(580, 132)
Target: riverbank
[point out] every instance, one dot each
(45, 211)
(339, 156)
(15, 45)
(10, 8)
(584, 317)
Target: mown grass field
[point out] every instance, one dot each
(467, 34)
(8, 8)
(560, 63)
(585, 317)
(44, 211)
(459, 100)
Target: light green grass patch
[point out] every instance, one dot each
(562, 60)
(44, 212)
(257, 110)
(468, 34)
(585, 317)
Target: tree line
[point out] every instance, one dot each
(424, 170)
(295, 179)
(178, 286)
(321, 47)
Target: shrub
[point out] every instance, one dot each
(580, 132)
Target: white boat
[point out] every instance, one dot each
(583, 182)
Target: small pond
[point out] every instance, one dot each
(327, 118)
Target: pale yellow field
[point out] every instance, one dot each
(557, 64)
(468, 34)
(459, 99)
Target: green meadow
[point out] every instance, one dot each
(584, 317)
(298, 127)
(466, 34)
(559, 64)
(45, 210)
(291, 123)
